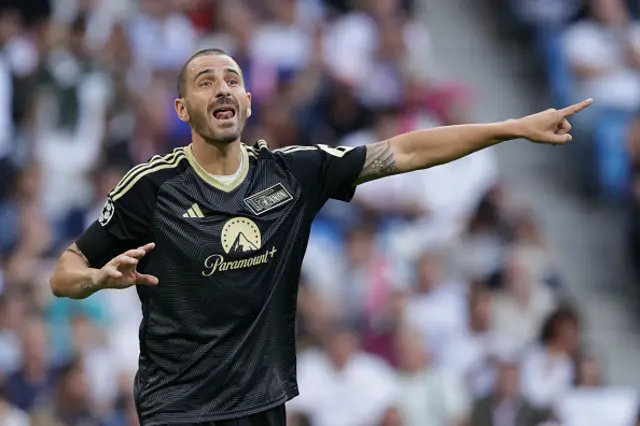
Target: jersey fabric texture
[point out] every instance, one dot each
(217, 339)
(276, 416)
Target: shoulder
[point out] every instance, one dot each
(151, 175)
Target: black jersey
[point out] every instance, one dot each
(217, 337)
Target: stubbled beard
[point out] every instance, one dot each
(200, 124)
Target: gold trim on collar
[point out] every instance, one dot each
(211, 180)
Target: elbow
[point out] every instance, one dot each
(56, 282)
(56, 288)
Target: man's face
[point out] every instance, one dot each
(215, 104)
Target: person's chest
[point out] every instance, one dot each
(231, 238)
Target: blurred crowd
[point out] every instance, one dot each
(431, 300)
(591, 48)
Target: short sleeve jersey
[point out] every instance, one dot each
(217, 339)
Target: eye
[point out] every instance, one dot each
(233, 82)
(205, 84)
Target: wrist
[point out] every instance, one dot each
(96, 278)
(511, 129)
(92, 283)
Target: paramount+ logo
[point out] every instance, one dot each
(239, 236)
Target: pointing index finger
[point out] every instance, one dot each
(575, 108)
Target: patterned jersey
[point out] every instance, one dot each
(217, 339)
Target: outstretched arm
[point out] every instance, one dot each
(422, 149)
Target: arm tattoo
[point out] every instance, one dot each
(75, 250)
(88, 286)
(379, 162)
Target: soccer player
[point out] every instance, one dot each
(213, 236)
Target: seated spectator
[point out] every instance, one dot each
(593, 402)
(481, 249)
(9, 414)
(98, 362)
(361, 280)
(12, 311)
(525, 231)
(525, 300)
(314, 316)
(473, 353)
(604, 54)
(31, 387)
(280, 40)
(438, 307)
(70, 405)
(547, 368)
(342, 386)
(161, 37)
(124, 408)
(428, 395)
(26, 235)
(70, 101)
(380, 336)
(506, 405)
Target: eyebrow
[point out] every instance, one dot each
(210, 71)
(204, 71)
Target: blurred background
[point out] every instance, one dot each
(498, 290)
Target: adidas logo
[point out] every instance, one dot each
(194, 212)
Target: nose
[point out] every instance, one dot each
(223, 90)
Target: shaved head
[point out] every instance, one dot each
(182, 75)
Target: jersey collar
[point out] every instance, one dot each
(211, 180)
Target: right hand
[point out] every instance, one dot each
(121, 271)
(550, 126)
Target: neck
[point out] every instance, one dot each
(217, 158)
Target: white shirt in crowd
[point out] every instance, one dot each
(350, 46)
(545, 378)
(11, 416)
(440, 316)
(521, 324)
(67, 155)
(598, 406)
(433, 397)
(589, 44)
(472, 355)
(358, 395)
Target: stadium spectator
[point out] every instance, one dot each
(343, 386)
(31, 386)
(604, 57)
(472, 354)
(438, 306)
(428, 395)
(547, 369)
(525, 300)
(506, 405)
(10, 415)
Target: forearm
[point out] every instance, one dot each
(72, 276)
(422, 149)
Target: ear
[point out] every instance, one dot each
(248, 104)
(181, 110)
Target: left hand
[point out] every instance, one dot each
(550, 126)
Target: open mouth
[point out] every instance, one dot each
(224, 113)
